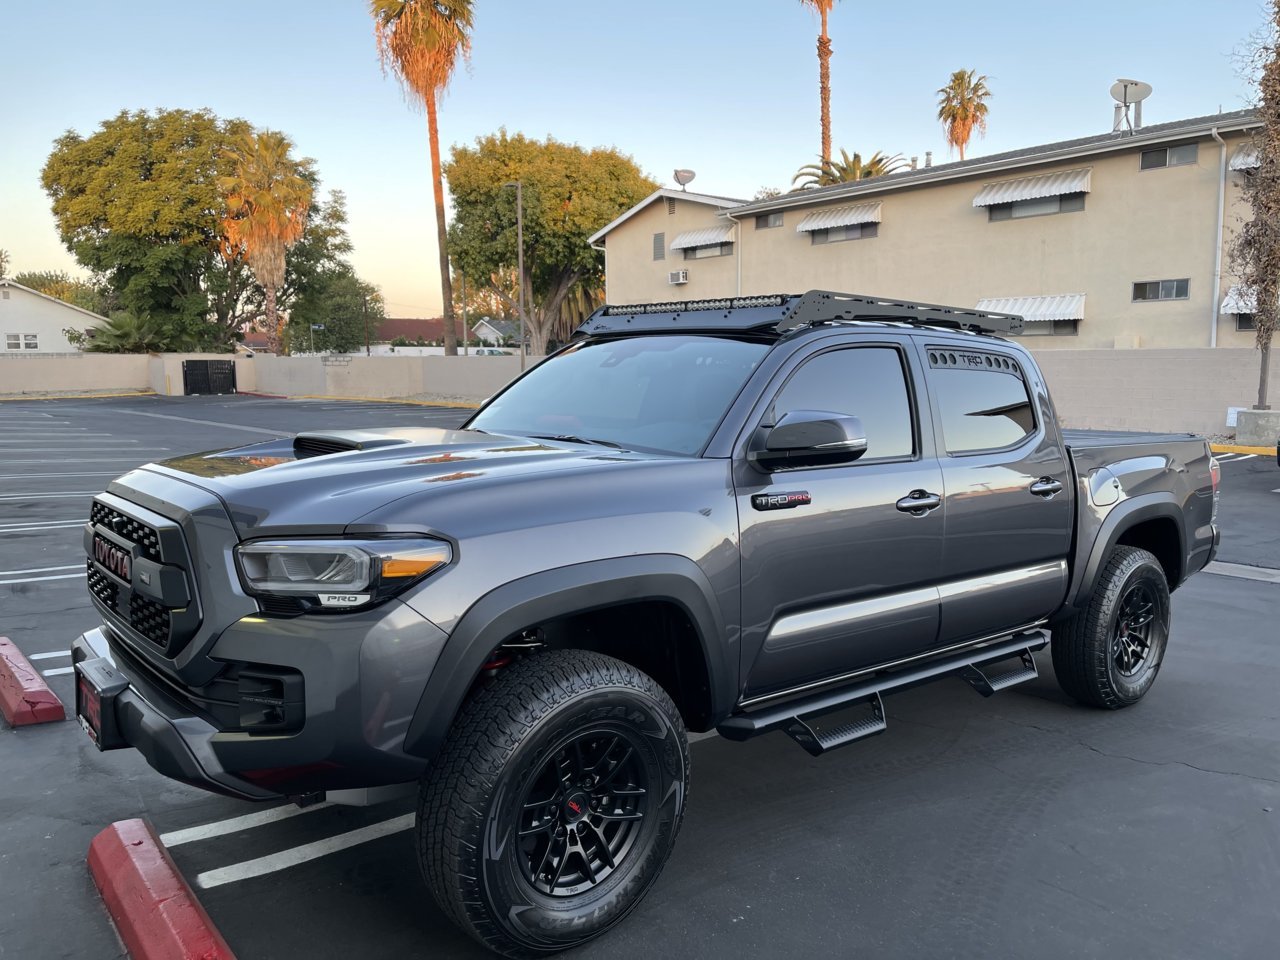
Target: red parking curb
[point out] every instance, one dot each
(24, 696)
(155, 912)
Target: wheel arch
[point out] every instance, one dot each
(1154, 522)
(563, 594)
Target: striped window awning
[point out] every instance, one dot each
(1245, 157)
(840, 217)
(707, 237)
(1240, 300)
(1062, 306)
(1031, 188)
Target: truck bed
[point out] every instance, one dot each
(1085, 439)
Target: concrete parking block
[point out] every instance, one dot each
(153, 909)
(24, 696)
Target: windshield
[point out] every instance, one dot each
(661, 393)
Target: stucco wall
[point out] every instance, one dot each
(23, 312)
(165, 372)
(934, 245)
(73, 373)
(382, 377)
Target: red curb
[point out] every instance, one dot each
(24, 696)
(155, 912)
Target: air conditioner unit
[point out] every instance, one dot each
(678, 276)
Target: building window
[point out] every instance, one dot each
(671, 205)
(767, 220)
(1050, 328)
(1160, 290)
(1039, 207)
(1246, 321)
(21, 341)
(659, 246)
(855, 231)
(1183, 153)
(715, 250)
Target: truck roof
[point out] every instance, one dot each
(783, 313)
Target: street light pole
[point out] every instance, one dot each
(364, 311)
(519, 185)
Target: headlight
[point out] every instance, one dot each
(339, 573)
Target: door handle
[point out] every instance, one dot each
(1046, 487)
(919, 502)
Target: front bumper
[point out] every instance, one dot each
(362, 678)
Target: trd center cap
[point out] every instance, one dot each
(576, 806)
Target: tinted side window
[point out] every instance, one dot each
(865, 382)
(982, 409)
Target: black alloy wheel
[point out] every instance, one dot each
(1131, 644)
(582, 814)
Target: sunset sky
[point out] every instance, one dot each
(725, 87)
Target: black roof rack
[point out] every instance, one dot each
(782, 313)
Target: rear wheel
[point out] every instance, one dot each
(554, 803)
(1108, 654)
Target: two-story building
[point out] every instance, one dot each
(1117, 240)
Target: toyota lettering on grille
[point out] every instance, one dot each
(112, 558)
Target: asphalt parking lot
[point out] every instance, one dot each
(1018, 826)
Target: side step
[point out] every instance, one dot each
(795, 716)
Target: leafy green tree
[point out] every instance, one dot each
(4, 262)
(823, 9)
(268, 193)
(341, 303)
(569, 194)
(421, 42)
(962, 108)
(137, 202)
(846, 170)
(62, 286)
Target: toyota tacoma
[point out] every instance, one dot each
(747, 515)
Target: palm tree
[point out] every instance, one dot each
(268, 194)
(420, 41)
(846, 170)
(823, 8)
(962, 108)
(130, 333)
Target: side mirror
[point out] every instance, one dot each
(809, 438)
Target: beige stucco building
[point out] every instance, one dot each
(1117, 240)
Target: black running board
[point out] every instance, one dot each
(978, 667)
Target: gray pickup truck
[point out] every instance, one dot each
(749, 515)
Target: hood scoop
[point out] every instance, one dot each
(314, 444)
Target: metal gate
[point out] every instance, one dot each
(203, 377)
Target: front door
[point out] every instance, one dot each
(836, 574)
(1008, 490)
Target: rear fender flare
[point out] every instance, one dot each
(561, 592)
(1123, 516)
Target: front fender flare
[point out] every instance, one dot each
(563, 591)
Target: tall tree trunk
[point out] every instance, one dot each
(442, 240)
(273, 322)
(1263, 373)
(824, 86)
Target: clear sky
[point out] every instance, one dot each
(726, 87)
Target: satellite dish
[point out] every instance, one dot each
(1129, 93)
(684, 177)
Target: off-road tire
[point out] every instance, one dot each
(473, 801)
(1085, 645)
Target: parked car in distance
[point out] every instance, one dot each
(491, 352)
(737, 515)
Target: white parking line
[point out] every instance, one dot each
(61, 576)
(86, 460)
(49, 476)
(78, 448)
(58, 671)
(49, 656)
(297, 855)
(27, 526)
(14, 573)
(51, 496)
(211, 423)
(236, 824)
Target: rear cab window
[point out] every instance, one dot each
(982, 399)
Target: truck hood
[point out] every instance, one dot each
(325, 482)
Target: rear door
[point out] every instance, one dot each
(1009, 497)
(835, 576)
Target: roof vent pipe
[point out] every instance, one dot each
(915, 162)
(1117, 119)
(928, 159)
(1137, 115)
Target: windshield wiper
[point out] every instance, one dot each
(569, 438)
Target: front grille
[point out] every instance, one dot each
(102, 586)
(149, 619)
(147, 538)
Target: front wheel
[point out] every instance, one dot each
(555, 802)
(1108, 654)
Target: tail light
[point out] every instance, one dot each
(1215, 475)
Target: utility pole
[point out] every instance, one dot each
(466, 339)
(364, 311)
(519, 185)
